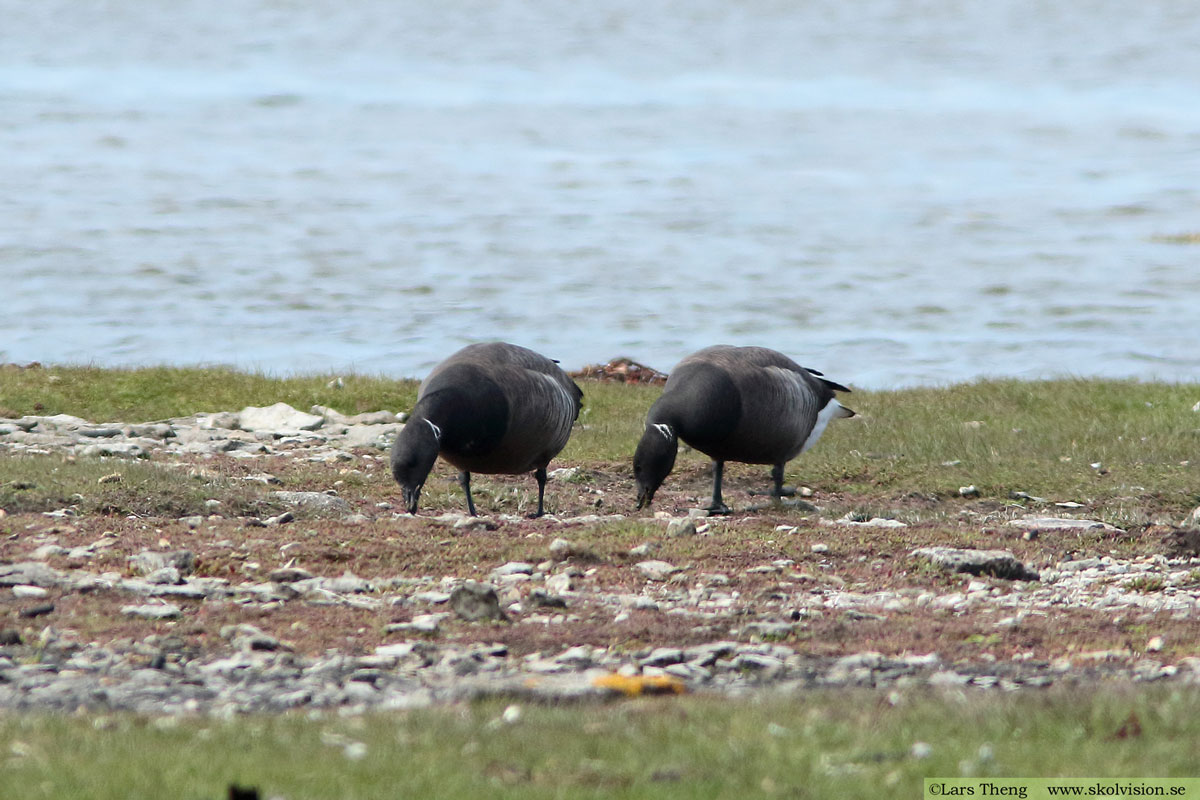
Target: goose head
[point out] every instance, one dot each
(654, 460)
(413, 454)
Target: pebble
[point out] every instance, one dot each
(768, 630)
(474, 601)
(166, 576)
(279, 418)
(656, 570)
(539, 598)
(559, 583)
(150, 561)
(30, 573)
(422, 623)
(998, 563)
(1060, 523)
(874, 522)
(681, 528)
(165, 611)
(36, 610)
(248, 638)
(349, 583)
(474, 523)
(315, 502)
(513, 568)
(289, 575)
(662, 657)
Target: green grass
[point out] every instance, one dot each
(1039, 437)
(611, 421)
(845, 744)
(29, 483)
(1002, 436)
(154, 393)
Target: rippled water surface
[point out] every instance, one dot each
(896, 193)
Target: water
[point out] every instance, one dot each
(897, 193)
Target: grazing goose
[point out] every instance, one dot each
(747, 404)
(491, 408)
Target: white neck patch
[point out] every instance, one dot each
(664, 429)
(829, 412)
(437, 432)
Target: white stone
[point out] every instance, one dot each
(1059, 523)
(559, 583)
(164, 611)
(119, 449)
(277, 418)
(681, 528)
(657, 570)
(377, 436)
(513, 568)
(399, 650)
(318, 502)
(874, 522)
(999, 563)
(427, 623)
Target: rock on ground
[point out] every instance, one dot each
(999, 563)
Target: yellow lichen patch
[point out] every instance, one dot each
(635, 685)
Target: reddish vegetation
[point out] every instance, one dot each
(383, 547)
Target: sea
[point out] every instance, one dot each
(895, 192)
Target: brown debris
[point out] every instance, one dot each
(621, 370)
(1131, 728)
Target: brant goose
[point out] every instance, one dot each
(747, 404)
(491, 408)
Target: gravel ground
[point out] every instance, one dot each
(326, 597)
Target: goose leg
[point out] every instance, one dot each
(464, 480)
(718, 505)
(540, 475)
(778, 490)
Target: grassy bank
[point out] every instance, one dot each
(836, 744)
(1127, 446)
